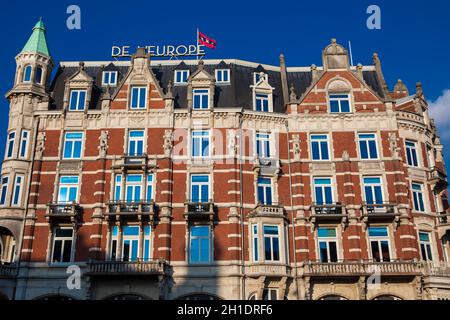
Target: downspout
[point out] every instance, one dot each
(30, 178)
(241, 209)
(292, 210)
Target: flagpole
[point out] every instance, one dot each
(197, 43)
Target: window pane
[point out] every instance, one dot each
(67, 251)
(267, 249)
(57, 251)
(333, 252)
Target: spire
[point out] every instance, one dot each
(37, 42)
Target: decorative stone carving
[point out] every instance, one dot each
(393, 146)
(168, 142)
(345, 156)
(40, 142)
(296, 147)
(231, 142)
(103, 147)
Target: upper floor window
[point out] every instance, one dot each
(38, 75)
(263, 145)
(425, 246)
(255, 242)
(10, 144)
(133, 188)
(17, 191)
(150, 195)
(271, 243)
(200, 244)
(109, 78)
(129, 238)
(118, 188)
(4, 190)
(257, 76)
(265, 191)
(262, 102)
(339, 103)
(138, 98)
(77, 100)
(181, 76)
(368, 146)
(323, 191)
(270, 294)
(27, 74)
(24, 144)
(68, 189)
(327, 244)
(73, 143)
(62, 245)
(373, 190)
(201, 98)
(200, 188)
(223, 76)
(417, 190)
(136, 142)
(200, 144)
(411, 153)
(379, 244)
(319, 147)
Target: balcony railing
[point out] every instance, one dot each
(440, 269)
(336, 209)
(273, 210)
(384, 211)
(63, 210)
(398, 268)
(267, 269)
(119, 207)
(444, 218)
(154, 267)
(195, 209)
(133, 161)
(438, 176)
(8, 270)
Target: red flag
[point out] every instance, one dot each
(206, 41)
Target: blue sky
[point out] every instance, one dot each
(413, 42)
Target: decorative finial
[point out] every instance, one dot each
(293, 95)
(169, 87)
(81, 64)
(333, 41)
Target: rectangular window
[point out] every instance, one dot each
(417, 190)
(147, 243)
(17, 194)
(265, 191)
(200, 144)
(24, 144)
(150, 196)
(10, 145)
(373, 190)
(411, 154)
(77, 100)
(339, 103)
(73, 142)
(262, 102)
(323, 191)
(5, 181)
(200, 244)
(379, 244)
(425, 246)
(136, 142)
(133, 188)
(223, 76)
(201, 98)
(327, 244)
(118, 188)
(181, 76)
(68, 189)
(263, 145)
(319, 147)
(271, 243)
(130, 243)
(62, 245)
(255, 243)
(138, 98)
(109, 78)
(270, 294)
(199, 188)
(368, 146)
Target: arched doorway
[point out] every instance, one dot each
(7, 246)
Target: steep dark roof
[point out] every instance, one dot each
(371, 78)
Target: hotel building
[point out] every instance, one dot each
(219, 179)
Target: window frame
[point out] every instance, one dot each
(63, 241)
(23, 150)
(185, 72)
(328, 240)
(200, 92)
(4, 190)
(69, 186)
(333, 97)
(77, 107)
(109, 83)
(136, 140)
(267, 99)
(134, 186)
(27, 76)
(209, 237)
(258, 74)
(138, 106)
(10, 143)
(74, 141)
(272, 237)
(17, 191)
(314, 139)
(379, 240)
(412, 153)
(418, 197)
(265, 186)
(323, 186)
(200, 184)
(263, 141)
(222, 72)
(367, 141)
(202, 135)
(428, 245)
(380, 184)
(150, 184)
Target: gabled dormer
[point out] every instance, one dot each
(78, 91)
(262, 92)
(201, 86)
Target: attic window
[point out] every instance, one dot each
(77, 100)
(109, 78)
(257, 76)
(27, 74)
(181, 76)
(223, 76)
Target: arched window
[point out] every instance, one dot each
(27, 74)
(38, 76)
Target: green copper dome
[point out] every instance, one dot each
(37, 42)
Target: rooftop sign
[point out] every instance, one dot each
(167, 51)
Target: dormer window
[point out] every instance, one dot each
(200, 99)
(77, 100)
(181, 76)
(262, 102)
(27, 74)
(339, 103)
(223, 76)
(138, 98)
(109, 78)
(38, 75)
(257, 76)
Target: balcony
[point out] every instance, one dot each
(199, 210)
(439, 178)
(134, 162)
(266, 210)
(125, 209)
(267, 166)
(444, 224)
(356, 269)
(268, 270)
(8, 271)
(129, 268)
(380, 212)
(440, 269)
(328, 213)
(63, 211)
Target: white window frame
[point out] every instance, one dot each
(134, 185)
(271, 236)
(409, 150)
(4, 189)
(191, 184)
(327, 140)
(17, 190)
(150, 183)
(109, 83)
(222, 72)
(186, 73)
(210, 245)
(322, 187)
(136, 140)
(206, 136)
(327, 240)
(426, 243)
(379, 239)
(366, 141)
(78, 92)
(268, 99)
(270, 293)
(66, 139)
(339, 100)
(262, 141)
(69, 186)
(63, 239)
(9, 152)
(138, 101)
(195, 92)
(417, 194)
(24, 141)
(380, 184)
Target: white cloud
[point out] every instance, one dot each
(440, 112)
